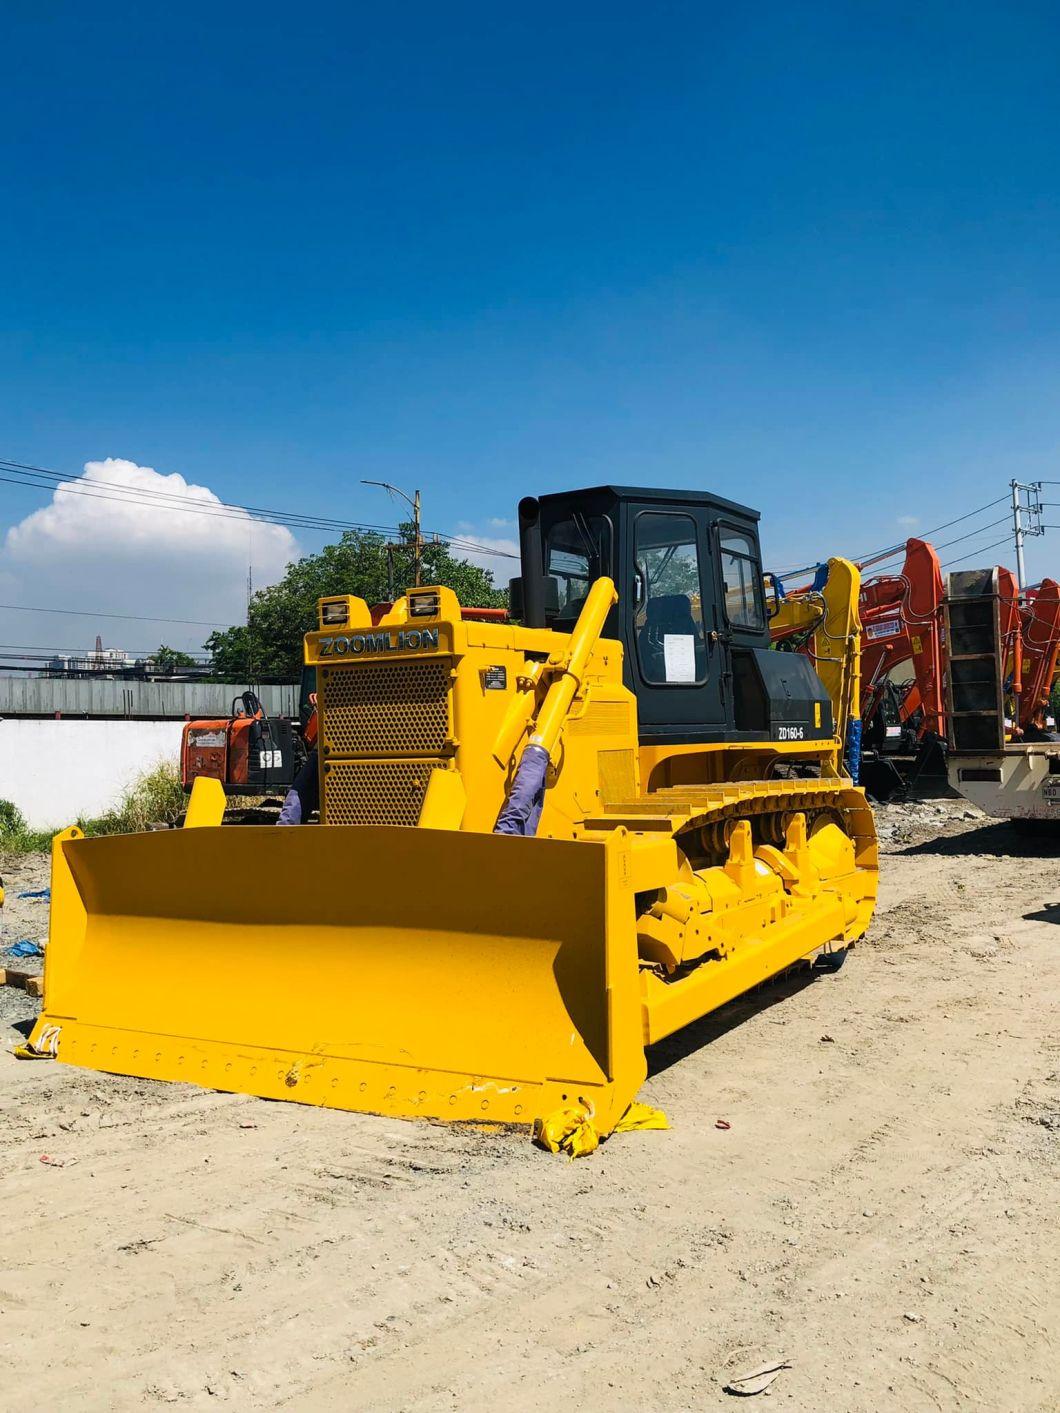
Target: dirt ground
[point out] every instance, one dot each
(882, 1211)
(23, 918)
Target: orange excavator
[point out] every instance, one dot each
(248, 751)
(902, 620)
(982, 658)
(1040, 635)
(901, 616)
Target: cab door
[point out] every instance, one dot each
(673, 654)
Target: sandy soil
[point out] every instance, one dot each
(22, 917)
(882, 1211)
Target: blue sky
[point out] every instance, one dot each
(805, 256)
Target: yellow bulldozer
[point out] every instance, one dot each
(543, 845)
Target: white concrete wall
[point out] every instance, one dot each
(57, 770)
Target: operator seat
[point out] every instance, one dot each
(667, 614)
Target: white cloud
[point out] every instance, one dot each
(96, 546)
(494, 553)
(908, 522)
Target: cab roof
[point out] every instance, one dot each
(655, 493)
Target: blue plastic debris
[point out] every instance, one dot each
(40, 893)
(24, 948)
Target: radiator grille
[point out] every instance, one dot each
(386, 708)
(376, 791)
(616, 775)
(602, 719)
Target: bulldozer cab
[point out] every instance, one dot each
(691, 612)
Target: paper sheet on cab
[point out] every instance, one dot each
(679, 657)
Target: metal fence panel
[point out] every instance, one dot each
(152, 701)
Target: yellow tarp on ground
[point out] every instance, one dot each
(572, 1131)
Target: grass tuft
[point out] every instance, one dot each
(155, 797)
(16, 837)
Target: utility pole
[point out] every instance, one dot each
(417, 533)
(250, 596)
(1017, 530)
(418, 542)
(1033, 509)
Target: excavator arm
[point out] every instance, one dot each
(826, 617)
(1041, 649)
(902, 618)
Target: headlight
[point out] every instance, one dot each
(334, 613)
(424, 605)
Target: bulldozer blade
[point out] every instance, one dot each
(388, 970)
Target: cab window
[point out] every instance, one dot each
(577, 551)
(741, 580)
(669, 601)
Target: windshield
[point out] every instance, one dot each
(577, 551)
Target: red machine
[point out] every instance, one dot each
(901, 621)
(249, 753)
(1041, 651)
(904, 622)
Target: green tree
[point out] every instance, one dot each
(171, 660)
(270, 644)
(230, 654)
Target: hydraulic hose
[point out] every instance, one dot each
(521, 811)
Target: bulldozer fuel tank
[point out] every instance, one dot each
(435, 972)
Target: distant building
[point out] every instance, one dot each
(101, 660)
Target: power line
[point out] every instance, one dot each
(867, 560)
(891, 564)
(971, 534)
(31, 649)
(92, 613)
(164, 500)
(44, 479)
(41, 478)
(193, 501)
(972, 554)
(879, 559)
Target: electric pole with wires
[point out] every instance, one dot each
(417, 533)
(1031, 507)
